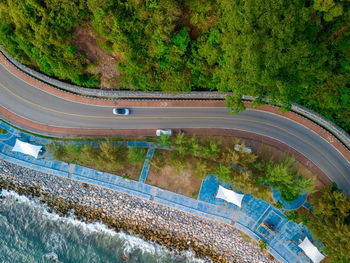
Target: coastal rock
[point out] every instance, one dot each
(125, 257)
(173, 229)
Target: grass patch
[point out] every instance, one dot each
(246, 237)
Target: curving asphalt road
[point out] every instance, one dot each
(36, 105)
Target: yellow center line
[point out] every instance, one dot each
(177, 117)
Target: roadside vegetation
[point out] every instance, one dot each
(248, 172)
(182, 166)
(329, 221)
(106, 156)
(291, 51)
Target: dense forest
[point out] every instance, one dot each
(291, 51)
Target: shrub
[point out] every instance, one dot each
(279, 205)
(292, 215)
(199, 168)
(158, 160)
(177, 162)
(262, 245)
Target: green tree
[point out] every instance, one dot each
(240, 158)
(164, 140)
(285, 177)
(136, 155)
(231, 156)
(262, 245)
(223, 172)
(90, 155)
(194, 146)
(214, 147)
(292, 215)
(330, 223)
(182, 39)
(180, 144)
(177, 162)
(58, 150)
(247, 183)
(330, 8)
(268, 49)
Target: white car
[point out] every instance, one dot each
(164, 131)
(121, 111)
(245, 149)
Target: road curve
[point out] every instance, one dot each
(38, 106)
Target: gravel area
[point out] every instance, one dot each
(154, 222)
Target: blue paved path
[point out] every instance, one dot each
(146, 165)
(248, 218)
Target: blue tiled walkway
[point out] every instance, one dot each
(249, 218)
(146, 165)
(253, 218)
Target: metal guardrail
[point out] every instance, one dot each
(339, 133)
(326, 124)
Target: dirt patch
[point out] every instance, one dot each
(182, 182)
(100, 62)
(132, 172)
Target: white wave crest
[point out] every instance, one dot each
(130, 244)
(134, 242)
(34, 203)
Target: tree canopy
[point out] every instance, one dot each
(331, 223)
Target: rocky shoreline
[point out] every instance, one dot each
(174, 229)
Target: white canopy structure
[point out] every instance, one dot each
(229, 196)
(26, 148)
(311, 251)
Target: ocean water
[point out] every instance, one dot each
(28, 233)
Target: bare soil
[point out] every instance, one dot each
(103, 63)
(167, 178)
(132, 171)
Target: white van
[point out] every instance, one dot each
(164, 131)
(245, 149)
